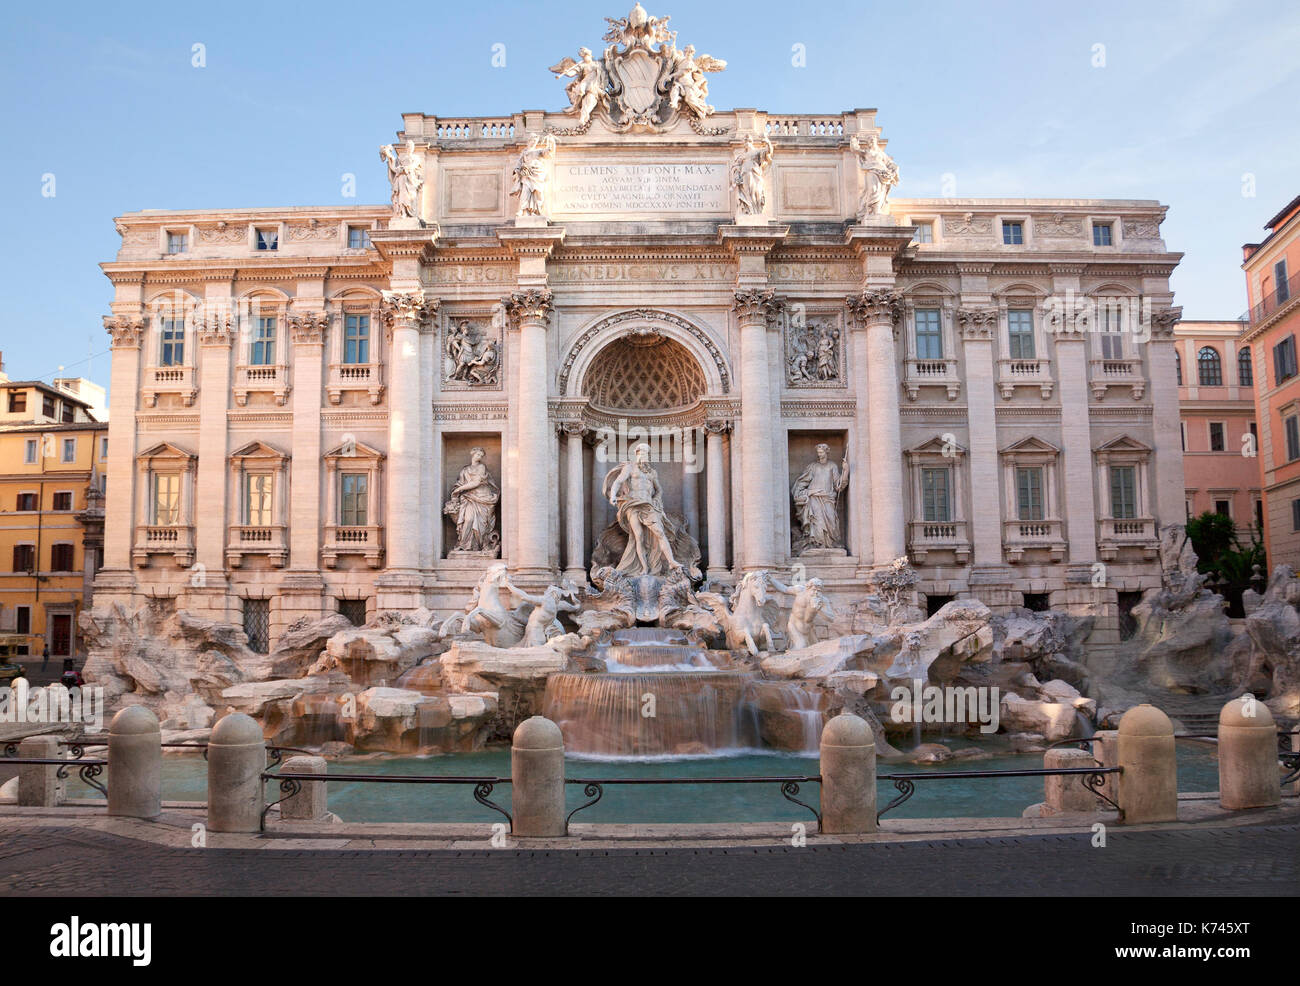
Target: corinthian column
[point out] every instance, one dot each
(119, 510)
(406, 316)
(215, 330)
(754, 309)
(574, 502)
(876, 311)
(529, 312)
(715, 497)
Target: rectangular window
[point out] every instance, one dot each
(354, 610)
(1123, 492)
(924, 233)
(1216, 436)
(24, 557)
(356, 339)
(1112, 333)
(22, 619)
(263, 348)
(257, 499)
(268, 239)
(48, 406)
(1284, 367)
(61, 558)
(69, 450)
(177, 242)
(68, 413)
(166, 504)
(26, 501)
(358, 237)
(1259, 514)
(1295, 515)
(1223, 507)
(257, 624)
(935, 499)
(1292, 426)
(173, 342)
(1013, 234)
(29, 451)
(1029, 493)
(1101, 234)
(1020, 333)
(63, 500)
(17, 401)
(929, 338)
(103, 448)
(1280, 279)
(1183, 428)
(353, 499)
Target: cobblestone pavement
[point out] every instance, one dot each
(1243, 860)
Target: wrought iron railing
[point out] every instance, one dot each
(87, 770)
(1093, 778)
(78, 745)
(594, 787)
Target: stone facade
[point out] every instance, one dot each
(725, 285)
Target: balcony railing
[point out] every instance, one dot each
(1013, 373)
(355, 376)
(251, 539)
(1129, 532)
(1019, 536)
(272, 379)
(1117, 373)
(168, 380)
(925, 536)
(1283, 294)
(918, 373)
(164, 539)
(367, 541)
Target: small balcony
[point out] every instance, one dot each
(355, 376)
(1013, 373)
(247, 539)
(273, 379)
(367, 541)
(1135, 532)
(168, 380)
(1107, 373)
(925, 536)
(1019, 536)
(918, 373)
(154, 539)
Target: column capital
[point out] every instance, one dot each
(125, 330)
(531, 305)
(574, 429)
(1067, 323)
(408, 306)
(215, 328)
(717, 426)
(1163, 322)
(757, 305)
(308, 328)
(876, 305)
(977, 323)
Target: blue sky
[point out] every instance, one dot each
(1004, 96)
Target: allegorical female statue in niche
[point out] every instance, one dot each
(816, 496)
(473, 505)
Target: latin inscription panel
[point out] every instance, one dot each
(657, 189)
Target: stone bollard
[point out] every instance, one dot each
(848, 769)
(135, 764)
(1105, 750)
(1066, 792)
(537, 778)
(236, 759)
(1148, 786)
(38, 783)
(1248, 771)
(308, 805)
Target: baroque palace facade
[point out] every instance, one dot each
(361, 408)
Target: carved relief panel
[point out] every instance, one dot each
(814, 349)
(472, 351)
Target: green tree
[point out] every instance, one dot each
(1220, 555)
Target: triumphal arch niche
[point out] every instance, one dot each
(822, 377)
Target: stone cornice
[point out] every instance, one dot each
(532, 305)
(531, 241)
(751, 239)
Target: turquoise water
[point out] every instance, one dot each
(185, 779)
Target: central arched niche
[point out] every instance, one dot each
(643, 373)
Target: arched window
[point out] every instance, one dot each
(1178, 366)
(1245, 371)
(1208, 368)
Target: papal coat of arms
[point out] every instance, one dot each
(643, 81)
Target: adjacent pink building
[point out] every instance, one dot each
(1216, 376)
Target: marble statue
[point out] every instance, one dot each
(474, 357)
(406, 178)
(879, 174)
(543, 621)
(633, 489)
(588, 89)
(741, 618)
(533, 175)
(486, 614)
(809, 601)
(749, 175)
(473, 505)
(816, 496)
(689, 86)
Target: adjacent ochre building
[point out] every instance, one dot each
(296, 391)
(1273, 286)
(52, 457)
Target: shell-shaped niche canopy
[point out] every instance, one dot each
(643, 371)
